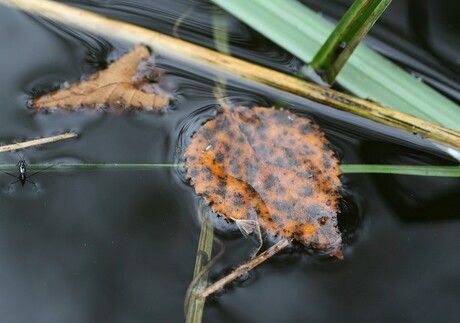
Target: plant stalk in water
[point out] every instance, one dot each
(416, 170)
(267, 254)
(440, 171)
(184, 51)
(348, 33)
(90, 167)
(367, 74)
(193, 306)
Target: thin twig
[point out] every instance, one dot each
(273, 250)
(36, 142)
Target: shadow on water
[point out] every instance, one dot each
(120, 246)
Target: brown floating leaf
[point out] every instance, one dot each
(271, 166)
(119, 86)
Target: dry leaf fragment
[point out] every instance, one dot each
(271, 166)
(118, 86)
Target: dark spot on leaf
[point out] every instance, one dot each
(279, 161)
(238, 152)
(238, 202)
(276, 218)
(236, 168)
(308, 190)
(326, 162)
(313, 210)
(280, 189)
(263, 136)
(304, 129)
(220, 157)
(269, 182)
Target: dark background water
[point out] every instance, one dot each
(119, 246)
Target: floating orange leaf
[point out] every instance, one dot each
(272, 167)
(121, 85)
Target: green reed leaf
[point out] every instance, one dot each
(347, 35)
(452, 171)
(448, 171)
(367, 74)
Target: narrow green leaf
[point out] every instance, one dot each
(452, 171)
(367, 74)
(449, 171)
(88, 167)
(347, 35)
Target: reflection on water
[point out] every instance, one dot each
(120, 246)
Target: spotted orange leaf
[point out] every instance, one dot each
(122, 85)
(270, 166)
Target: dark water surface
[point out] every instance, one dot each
(120, 246)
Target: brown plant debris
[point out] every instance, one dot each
(272, 167)
(36, 142)
(128, 83)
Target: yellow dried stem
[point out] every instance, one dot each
(182, 50)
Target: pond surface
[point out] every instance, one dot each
(120, 246)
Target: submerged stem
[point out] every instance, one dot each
(448, 171)
(193, 305)
(89, 167)
(267, 254)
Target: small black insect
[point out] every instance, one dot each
(22, 175)
(340, 47)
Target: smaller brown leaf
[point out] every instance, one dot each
(119, 86)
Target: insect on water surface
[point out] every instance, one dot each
(22, 176)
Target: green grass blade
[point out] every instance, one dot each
(445, 171)
(452, 171)
(88, 167)
(367, 74)
(347, 35)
